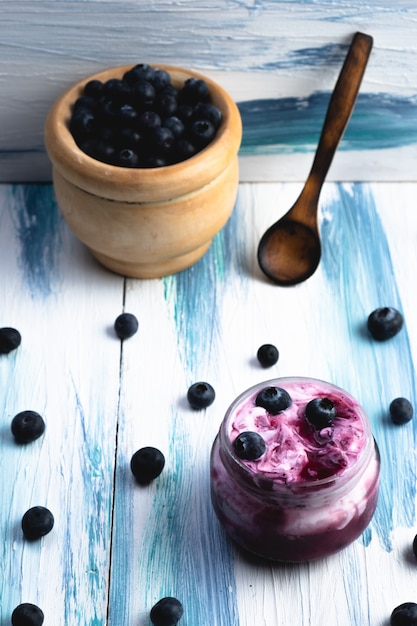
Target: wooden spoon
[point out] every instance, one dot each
(289, 251)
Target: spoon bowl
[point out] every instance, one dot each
(289, 252)
(294, 247)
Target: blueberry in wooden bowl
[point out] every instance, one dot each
(145, 166)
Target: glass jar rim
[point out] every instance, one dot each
(297, 487)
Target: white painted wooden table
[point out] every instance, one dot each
(116, 547)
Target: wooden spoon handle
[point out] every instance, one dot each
(340, 109)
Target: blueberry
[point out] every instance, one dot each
(37, 522)
(27, 614)
(320, 412)
(273, 399)
(401, 411)
(141, 71)
(194, 90)
(126, 157)
(249, 446)
(128, 138)
(146, 464)
(148, 121)
(161, 79)
(94, 89)
(10, 339)
(27, 426)
(207, 111)
(127, 115)
(415, 546)
(162, 140)
(153, 160)
(184, 149)
(89, 146)
(97, 149)
(83, 124)
(185, 112)
(404, 615)
(202, 133)
(200, 395)
(166, 104)
(117, 90)
(126, 325)
(166, 612)
(175, 125)
(384, 323)
(109, 111)
(85, 103)
(170, 90)
(108, 134)
(143, 93)
(267, 355)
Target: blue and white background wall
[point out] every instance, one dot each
(279, 59)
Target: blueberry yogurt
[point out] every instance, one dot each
(294, 470)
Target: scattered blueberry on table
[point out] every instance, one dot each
(27, 426)
(384, 323)
(267, 355)
(37, 522)
(404, 615)
(10, 339)
(200, 395)
(147, 464)
(143, 120)
(166, 612)
(126, 325)
(27, 614)
(401, 411)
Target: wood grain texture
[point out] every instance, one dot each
(283, 48)
(74, 384)
(118, 547)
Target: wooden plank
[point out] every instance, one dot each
(102, 402)
(275, 50)
(206, 324)
(67, 369)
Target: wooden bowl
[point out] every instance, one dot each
(145, 223)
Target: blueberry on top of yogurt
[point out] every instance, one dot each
(249, 445)
(273, 399)
(320, 412)
(303, 432)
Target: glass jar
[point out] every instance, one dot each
(314, 488)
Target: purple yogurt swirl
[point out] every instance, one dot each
(312, 491)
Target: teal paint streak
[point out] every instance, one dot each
(184, 551)
(327, 55)
(195, 296)
(357, 264)
(188, 292)
(121, 563)
(97, 497)
(39, 230)
(194, 562)
(293, 125)
(197, 558)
